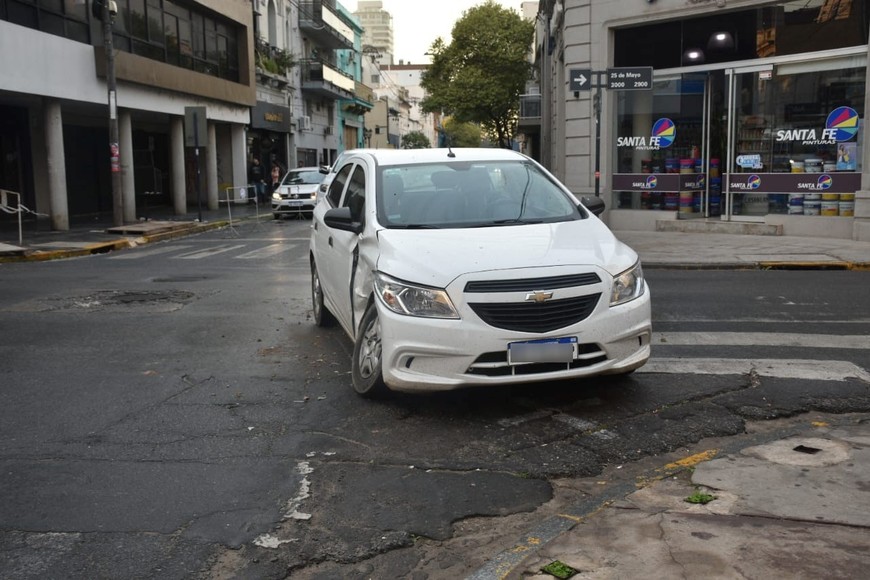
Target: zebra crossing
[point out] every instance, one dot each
(248, 250)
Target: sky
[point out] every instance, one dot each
(417, 23)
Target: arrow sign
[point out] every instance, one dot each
(579, 79)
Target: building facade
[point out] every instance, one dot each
(715, 110)
(377, 26)
(169, 56)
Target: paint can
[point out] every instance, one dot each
(812, 206)
(797, 166)
(829, 208)
(755, 204)
(813, 165)
(847, 209)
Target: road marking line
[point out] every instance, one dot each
(761, 339)
(208, 252)
(266, 252)
(819, 370)
(144, 253)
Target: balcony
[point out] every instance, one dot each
(321, 79)
(530, 110)
(319, 22)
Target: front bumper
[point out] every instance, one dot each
(421, 354)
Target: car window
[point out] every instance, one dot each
(298, 177)
(355, 198)
(476, 194)
(337, 186)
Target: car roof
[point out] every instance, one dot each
(457, 154)
(303, 169)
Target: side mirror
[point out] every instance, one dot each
(593, 204)
(324, 169)
(340, 218)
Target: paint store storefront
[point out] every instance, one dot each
(755, 115)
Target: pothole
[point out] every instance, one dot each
(118, 301)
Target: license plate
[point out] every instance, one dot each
(295, 202)
(547, 350)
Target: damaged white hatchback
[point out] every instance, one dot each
(453, 268)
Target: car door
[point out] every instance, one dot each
(345, 275)
(323, 246)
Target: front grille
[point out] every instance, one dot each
(494, 364)
(536, 317)
(532, 284)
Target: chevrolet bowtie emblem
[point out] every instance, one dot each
(539, 296)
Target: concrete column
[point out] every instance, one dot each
(861, 225)
(240, 156)
(56, 166)
(177, 184)
(211, 170)
(128, 177)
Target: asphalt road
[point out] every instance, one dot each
(171, 412)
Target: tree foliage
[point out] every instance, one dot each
(461, 134)
(415, 140)
(481, 74)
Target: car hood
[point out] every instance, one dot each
(437, 257)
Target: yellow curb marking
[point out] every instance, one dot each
(693, 460)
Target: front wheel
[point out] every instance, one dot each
(368, 378)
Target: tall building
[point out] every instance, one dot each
(169, 57)
(377, 26)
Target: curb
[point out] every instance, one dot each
(766, 265)
(510, 562)
(110, 246)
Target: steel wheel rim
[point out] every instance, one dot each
(370, 350)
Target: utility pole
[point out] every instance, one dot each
(109, 10)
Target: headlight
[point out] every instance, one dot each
(276, 195)
(404, 298)
(627, 286)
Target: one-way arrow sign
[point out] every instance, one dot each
(580, 79)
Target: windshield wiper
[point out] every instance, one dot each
(511, 221)
(414, 227)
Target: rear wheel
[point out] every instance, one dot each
(368, 378)
(322, 315)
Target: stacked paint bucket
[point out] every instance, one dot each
(686, 197)
(847, 204)
(830, 204)
(796, 204)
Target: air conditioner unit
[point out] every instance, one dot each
(303, 123)
(328, 130)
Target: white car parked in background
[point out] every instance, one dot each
(472, 267)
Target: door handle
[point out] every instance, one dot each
(330, 241)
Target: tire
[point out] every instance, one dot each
(276, 216)
(367, 371)
(322, 315)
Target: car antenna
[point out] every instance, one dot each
(450, 152)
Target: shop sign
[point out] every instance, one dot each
(841, 125)
(664, 132)
(667, 182)
(272, 117)
(794, 182)
(752, 161)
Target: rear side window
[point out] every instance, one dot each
(337, 185)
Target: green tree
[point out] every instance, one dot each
(481, 74)
(415, 140)
(461, 134)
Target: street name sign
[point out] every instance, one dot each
(630, 78)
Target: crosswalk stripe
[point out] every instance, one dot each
(208, 252)
(820, 370)
(135, 255)
(761, 339)
(266, 252)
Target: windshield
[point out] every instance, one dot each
(302, 176)
(463, 194)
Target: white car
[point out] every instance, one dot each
(297, 192)
(452, 268)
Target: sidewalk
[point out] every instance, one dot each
(656, 249)
(98, 235)
(791, 502)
